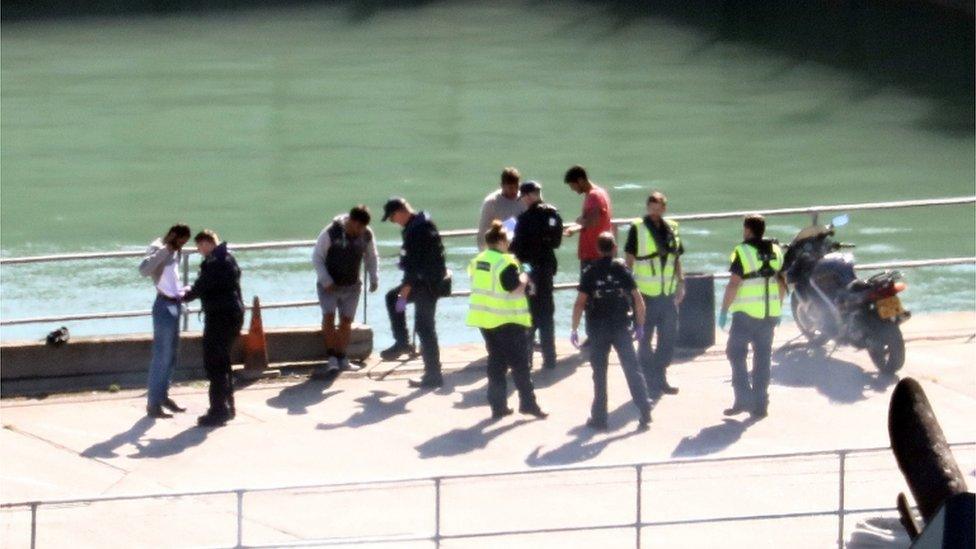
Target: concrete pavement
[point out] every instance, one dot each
(370, 425)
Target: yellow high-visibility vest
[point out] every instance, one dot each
(490, 305)
(652, 277)
(758, 295)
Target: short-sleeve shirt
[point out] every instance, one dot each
(596, 199)
(660, 234)
(608, 285)
(736, 266)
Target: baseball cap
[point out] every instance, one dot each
(393, 205)
(529, 187)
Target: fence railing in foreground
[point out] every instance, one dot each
(438, 534)
(813, 211)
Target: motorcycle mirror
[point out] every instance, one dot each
(840, 220)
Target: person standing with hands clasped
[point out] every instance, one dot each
(219, 288)
(162, 264)
(606, 292)
(654, 251)
(499, 308)
(754, 296)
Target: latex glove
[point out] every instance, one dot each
(401, 304)
(639, 332)
(574, 339)
(723, 319)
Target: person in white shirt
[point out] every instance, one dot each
(162, 264)
(502, 204)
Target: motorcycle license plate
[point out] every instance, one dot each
(889, 307)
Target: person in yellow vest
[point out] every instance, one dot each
(499, 308)
(754, 296)
(653, 254)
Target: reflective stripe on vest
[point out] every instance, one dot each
(490, 305)
(653, 278)
(758, 296)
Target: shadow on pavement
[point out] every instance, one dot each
(106, 449)
(839, 380)
(583, 447)
(165, 447)
(462, 441)
(477, 395)
(375, 408)
(713, 439)
(297, 399)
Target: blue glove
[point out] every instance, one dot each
(723, 319)
(639, 332)
(574, 339)
(401, 304)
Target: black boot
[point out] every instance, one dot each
(172, 406)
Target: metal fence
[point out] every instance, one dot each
(638, 521)
(813, 211)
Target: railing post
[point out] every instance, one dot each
(33, 539)
(814, 217)
(185, 260)
(240, 518)
(437, 512)
(640, 519)
(840, 506)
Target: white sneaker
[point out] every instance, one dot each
(333, 365)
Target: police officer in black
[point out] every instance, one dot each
(424, 281)
(607, 292)
(538, 233)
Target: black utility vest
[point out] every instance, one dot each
(344, 259)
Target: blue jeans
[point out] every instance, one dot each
(166, 345)
(602, 339)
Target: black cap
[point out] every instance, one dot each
(393, 205)
(529, 187)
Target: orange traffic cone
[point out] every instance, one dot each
(255, 344)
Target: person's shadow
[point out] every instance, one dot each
(713, 439)
(107, 449)
(297, 399)
(461, 441)
(375, 408)
(799, 365)
(583, 447)
(165, 447)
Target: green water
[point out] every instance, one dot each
(263, 125)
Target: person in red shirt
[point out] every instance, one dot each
(596, 215)
(595, 218)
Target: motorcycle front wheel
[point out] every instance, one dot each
(887, 347)
(808, 320)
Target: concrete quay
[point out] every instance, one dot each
(370, 425)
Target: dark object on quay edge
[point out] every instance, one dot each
(922, 453)
(58, 337)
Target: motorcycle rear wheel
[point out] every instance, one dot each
(887, 347)
(807, 323)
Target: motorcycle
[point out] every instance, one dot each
(830, 302)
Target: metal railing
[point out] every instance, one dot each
(438, 534)
(813, 211)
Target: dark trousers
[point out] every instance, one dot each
(424, 310)
(542, 307)
(508, 348)
(746, 331)
(220, 330)
(601, 340)
(661, 316)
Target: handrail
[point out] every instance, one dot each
(456, 293)
(284, 244)
(438, 535)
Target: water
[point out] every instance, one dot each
(265, 124)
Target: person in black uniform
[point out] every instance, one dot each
(219, 289)
(663, 295)
(424, 281)
(538, 233)
(606, 292)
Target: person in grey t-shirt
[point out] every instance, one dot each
(501, 204)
